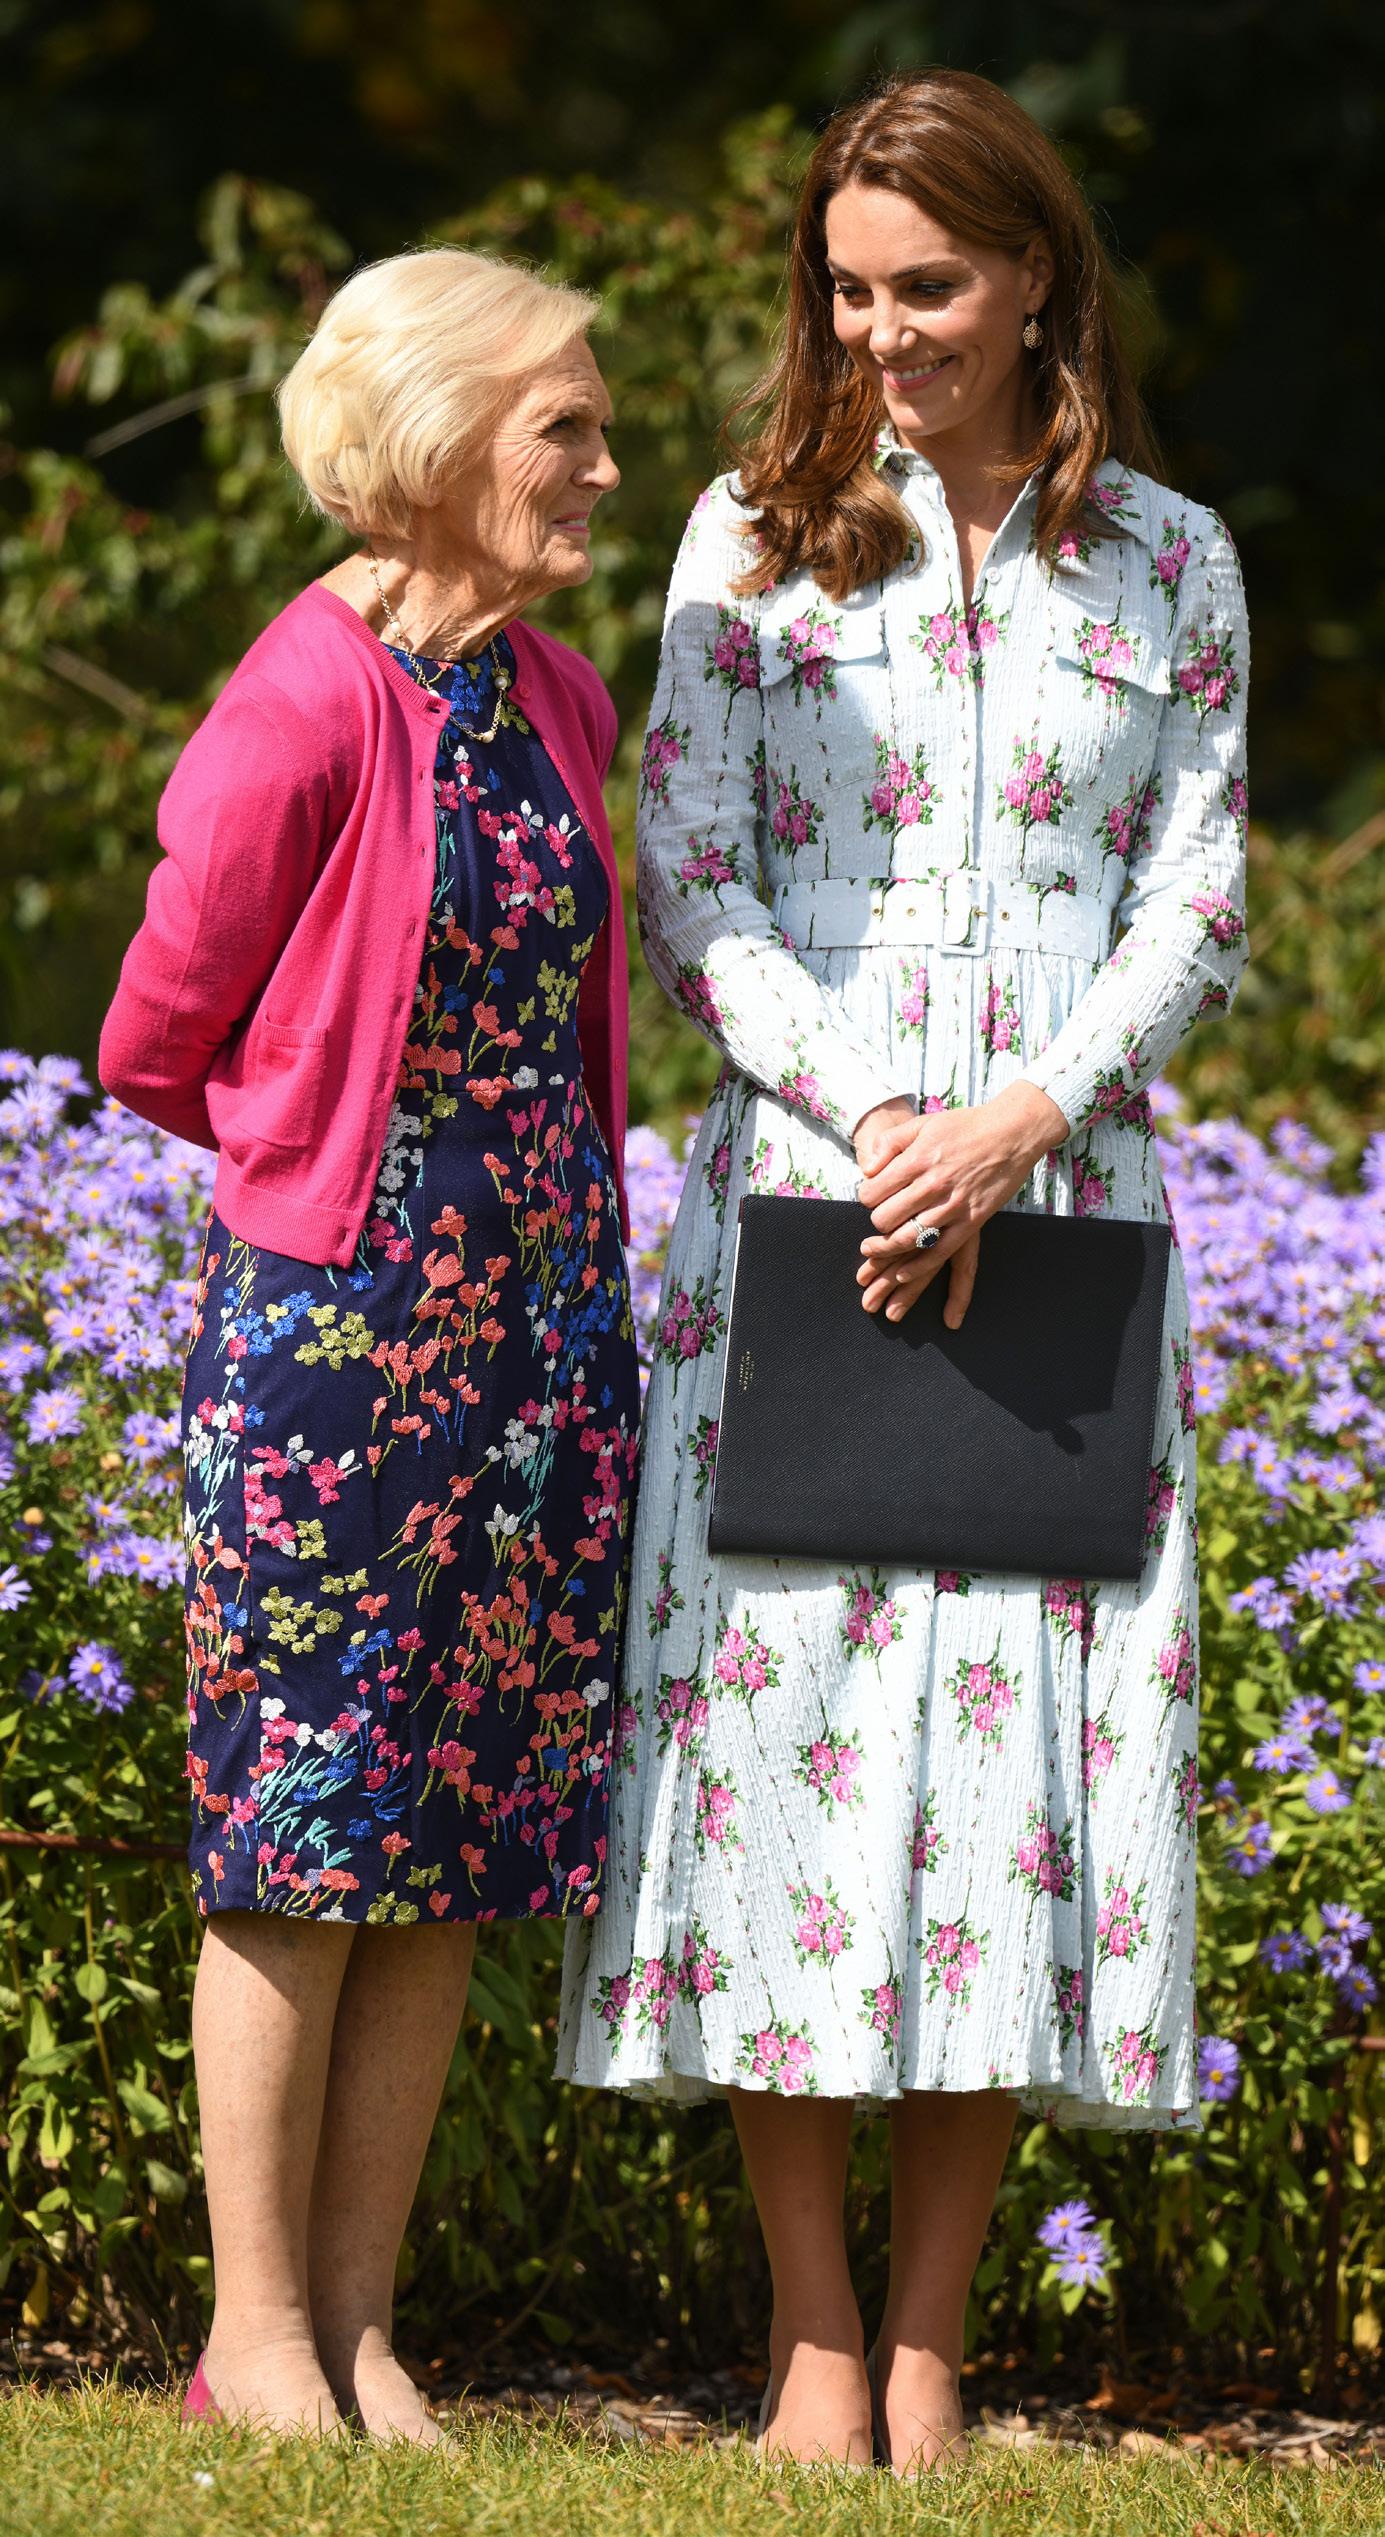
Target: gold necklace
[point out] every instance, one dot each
(498, 670)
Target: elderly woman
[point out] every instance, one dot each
(382, 971)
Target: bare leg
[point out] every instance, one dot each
(948, 2153)
(795, 2151)
(397, 2019)
(262, 2013)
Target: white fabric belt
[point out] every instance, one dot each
(960, 910)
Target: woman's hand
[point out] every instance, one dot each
(950, 1169)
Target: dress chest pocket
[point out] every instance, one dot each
(810, 652)
(1107, 679)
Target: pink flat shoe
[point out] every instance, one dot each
(199, 2404)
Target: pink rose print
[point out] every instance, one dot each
(733, 655)
(1220, 922)
(794, 818)
(953, 1952)
(822, 1924)
(704, 1454)
(1168, 563)
(667, 1600)
(1044, 1861)
(1068, 2003)
(985, 1695)
(911, 1009)
(1093, 1189)
(1000, 1021)
(697, 995)
(1235, 801)
(717, 1176)
(1208, 679)
(1036, 791)
(802, 1091)
(1120, 1925)
(681, 1710)
(781, 2058)
(1187, 1791)
(903, 794)
(1135, 2061)
(702, 1969)
(1107, 656)
(882, 2004)
(871, 1621)
(664, 748)
(808, 646)
(955, 642)
(1161, 1499)
(1101, 1746)
(1071, 1609)
(705, 867)
(1123, 829)
(949, 1580)
(832, 1771)
(1183, 1379)
(1175, 1666)
(744, 1665)
(688, 1325)
(715, 1828)
(926, 1845)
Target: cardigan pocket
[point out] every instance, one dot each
(271, 1094)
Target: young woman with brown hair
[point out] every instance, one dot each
(917, 1838)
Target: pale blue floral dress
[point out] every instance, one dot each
(886, 1829)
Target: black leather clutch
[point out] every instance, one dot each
(1021, 1442)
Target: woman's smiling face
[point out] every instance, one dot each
(933, 322)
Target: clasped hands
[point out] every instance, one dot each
(945, 1168)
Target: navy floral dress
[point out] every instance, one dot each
(408, 1482)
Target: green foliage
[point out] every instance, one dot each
(584, 2218)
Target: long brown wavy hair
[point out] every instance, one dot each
(956, 145)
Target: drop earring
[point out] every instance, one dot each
(1033, 334)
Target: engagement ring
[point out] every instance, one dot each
(926, 1236)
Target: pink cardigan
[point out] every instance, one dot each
(263, 1003)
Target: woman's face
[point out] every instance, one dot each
(522, 513)
(933, 323)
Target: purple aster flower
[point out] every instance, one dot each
(1347, 1923)
(1370, 1676)
(18, 1357)
(1327, 1576)
(1326, 1794)
(14, 1589)
(1068, 2221)
(1218, 2070)
(1252, 1848)
(1334, 1954)
(1310, 1714)
(1357, 1987)
(1225, 1789)
(6, 1458)
(95, 1676)
(1283, 1752)
(54, 1413)
(1082, 2266)
(1285, 1950)
(1368, 1539)
(1375, 1753)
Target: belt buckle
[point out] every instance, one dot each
(961, 894)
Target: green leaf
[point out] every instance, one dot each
(143, 2106)
(90, 1983)
(165, 2183)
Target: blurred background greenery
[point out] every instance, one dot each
(179, 191)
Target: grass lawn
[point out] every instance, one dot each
(107, 2463)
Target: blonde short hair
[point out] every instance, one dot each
(409, 364)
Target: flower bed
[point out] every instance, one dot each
(100, 1227)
